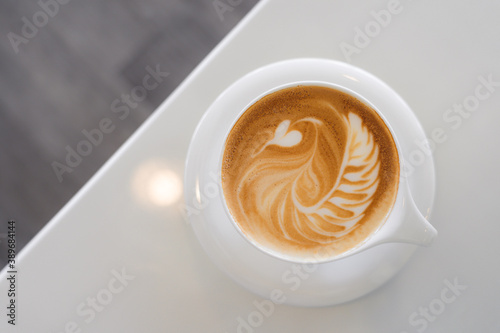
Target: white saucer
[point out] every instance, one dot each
(314, 285)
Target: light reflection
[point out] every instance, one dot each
(351, 77)
(157, 184)
(197, 190)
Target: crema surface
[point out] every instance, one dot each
(309, 172)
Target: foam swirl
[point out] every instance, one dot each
(298, 209)
(305, 182)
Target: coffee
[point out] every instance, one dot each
(309, 172)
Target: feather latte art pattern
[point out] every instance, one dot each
(308, 185)
(332, 214)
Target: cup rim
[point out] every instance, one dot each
(308, 260)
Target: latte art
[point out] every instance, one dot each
(314, 177)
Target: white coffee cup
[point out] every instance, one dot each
(403, 223)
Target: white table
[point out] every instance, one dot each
(111, 261)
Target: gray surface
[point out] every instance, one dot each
(65, 79)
